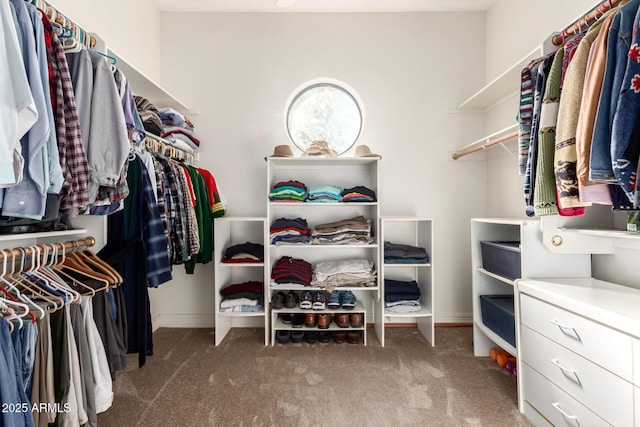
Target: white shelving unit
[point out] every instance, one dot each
(230, 231)
(415, 232)
(341, 172)
(536, 261)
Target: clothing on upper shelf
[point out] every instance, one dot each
(324, 194)
(354, 272)
(358, 193)
(288, 270)
(290, 231)
(585, 152)
(288, 191)
(242, 297)
(401, 296)
(353, 231)
(244, 252)
(395, 253)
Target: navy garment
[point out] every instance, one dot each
(398, 290)
(11, 386)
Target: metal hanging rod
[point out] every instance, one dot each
(585, 21)
(69, 246)
(496, 138)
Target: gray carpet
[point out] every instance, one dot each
(190, 382)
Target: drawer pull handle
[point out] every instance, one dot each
(564, 414)
(567, 330)
(566, 371)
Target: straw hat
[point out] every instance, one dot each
(319, 149)
(365, 151)
(282, 151)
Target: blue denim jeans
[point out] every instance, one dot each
(12, 393)
(618, 43)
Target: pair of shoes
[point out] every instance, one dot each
(310, 320)
(339, 337)
(324, 319)
(277, 300)
(319, 301)
(341, 319)
(354, 337)
(356, 320)
(291, 299)
(306, 300)
(297, 320)
(282, 336)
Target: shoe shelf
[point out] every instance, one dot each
(278, 325)
(317, 288)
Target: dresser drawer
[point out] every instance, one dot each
(555, 405)
(604, 393)
(602, 345)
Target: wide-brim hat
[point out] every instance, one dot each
(365, 151)
(319, 149)
(282, 151)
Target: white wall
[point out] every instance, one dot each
(130, 28)
(239, 69)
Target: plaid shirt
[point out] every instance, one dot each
(73, 159)
(161, 184)
(193, 233)
(176, 213)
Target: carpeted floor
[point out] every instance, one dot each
(190, 382)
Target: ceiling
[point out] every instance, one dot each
(284, 6)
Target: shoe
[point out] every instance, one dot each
(282, 336)
(356, 320)
(340, 337)
(277, 301)
(324, 319)
(297, 337)
(311, 337)
(297, 320)
(341, 319)
(319, 301)
(285, 318)
(306, 300)
(310, 320)
(291, 299)
(324, 337)
(333, 300)
(354, 337)
(348, 300)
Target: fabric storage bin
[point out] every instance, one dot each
(497, 315)
(502, 258)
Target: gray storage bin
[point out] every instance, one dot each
(502, 258)
(497, 315)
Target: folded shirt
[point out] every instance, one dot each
(357, 267)
(248, 248)
(394, 251)
(358, 193)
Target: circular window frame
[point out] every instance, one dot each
(323, 81)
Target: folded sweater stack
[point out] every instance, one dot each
(244, 252)
(353, 231)
(395, 253)
(242, 297)
(288, 191)
(286, 231)
(358, 193)
(356, 272)
(324, 194)
(401, 296)
(291, 271)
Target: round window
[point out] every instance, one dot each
(324, 111)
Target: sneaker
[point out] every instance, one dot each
(282, 336)
(297, 320)
(348, 300)
(333, 300)
(285, 318)
(277, 301)
(324, 337)
(319, 301)
(306, 300)
(311, 337)
(291, 299)
(297, 336)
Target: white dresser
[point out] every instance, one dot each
(578, 352)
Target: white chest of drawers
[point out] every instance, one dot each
(578, 352)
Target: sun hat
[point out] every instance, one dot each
(319, 149)
(282, 151)
(365, 151)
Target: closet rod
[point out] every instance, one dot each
(189, 157)
(70, 246)
(484, 143)
(585, 21)
(55, 15)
